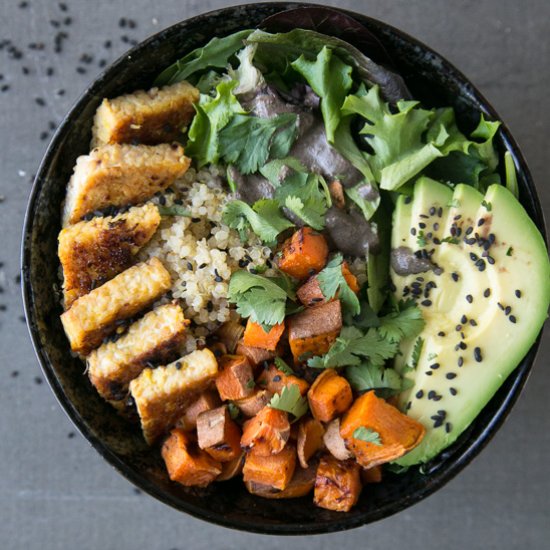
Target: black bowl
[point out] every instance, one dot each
(434, 81)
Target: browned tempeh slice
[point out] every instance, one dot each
(150, 117)
(93, 252)
(154, 337)
(119, 175)
(162, 394)
(94, 316)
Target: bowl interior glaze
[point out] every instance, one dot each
(432, 80)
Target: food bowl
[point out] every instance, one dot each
(431, 79)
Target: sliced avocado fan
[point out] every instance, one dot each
(483, 285)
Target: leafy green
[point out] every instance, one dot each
(385, 381)
(234, 411)
(330, 79)
(367, 434)
(212, 114)
(291, 401)
(352, 346)
(511, 176)
(248, 140)
(247, 75)
(215, 54)
(417, 350)
(264, 218)
(332, 281)
(275, 171)
(260, 298)
(174, 210)
(406, 323)
(283, 366)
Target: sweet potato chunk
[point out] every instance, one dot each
(274, 470)
(274, 380)
(206, 401)
(329, 396)
(300, 485)
(256, 336)
(314, 330)
(334, 442)
(235, 379)
(372, 475)
(398, 433)
(186, 463)
(232, 468)
(255, 356)
(267, 433)
(310, 293)
(337, 485)
(303, 254)
(218, 435)
(252, 405)
(310, 440)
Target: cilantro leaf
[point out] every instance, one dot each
(247, 140)
(258, 297)
(212, 114)
(366, 434)
(214, 54)
(367, 376)
(291, 401)
(417, 350)
(283, 366)
(397, 325)
(330, 78)
(331, 281)
(278, 170)
(264, 218)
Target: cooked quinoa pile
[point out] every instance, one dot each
(201, 252)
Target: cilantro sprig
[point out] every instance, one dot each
(291, 401)
(332, 281)
(263, 299)
(367, 434)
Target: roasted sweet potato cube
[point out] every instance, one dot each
(218, 435)
(186, 462)
(337, 484)
(273, 470)
(398, 433)
(300, 485)
(232, 468)
(314, 330)
(274, 380)
(303, 254)
(311, 295)
(206, 401)
(267, 433)
(235, 379)
(329, 396)
(310, 439)
(255, 336)
(252, 405)
(371, 475)
(255, 356)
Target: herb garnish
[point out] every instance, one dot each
(174, 210)
(291, 401)
(332, 281)
(368, 435)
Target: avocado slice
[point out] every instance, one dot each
(484, 302)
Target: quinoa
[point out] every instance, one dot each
(201, 252)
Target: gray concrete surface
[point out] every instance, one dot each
(55, 491)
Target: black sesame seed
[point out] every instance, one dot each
(450, 375)
(431, 394)
(428, 373)
(458, 328)
(518, 293)
(441, 333)
(448, 427)
(189, 265)
(202, 266)
(512, 319)
(469, 298)
(500, 306)
(435, 366)
(178, 365)
(469, 230)
(507, 310)
(454, 276)
(413, 231)
(422, 225)
(408, 200)
(453, 391)
(426, 303)
(477, 355)
(480, 222)
(463, 319)
(419, 394)
(473, 257)
(490, 260)
(470, 241)
(432, 210)
(487, 292)
(439, 212)
(473, 322)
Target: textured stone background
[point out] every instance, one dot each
(55, 491)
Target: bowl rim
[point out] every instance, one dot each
(466, 452)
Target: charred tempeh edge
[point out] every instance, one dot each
(119, 175)
(93, 252)
(94, 316)
(154, 337)
(162, 394)
(149, 117)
